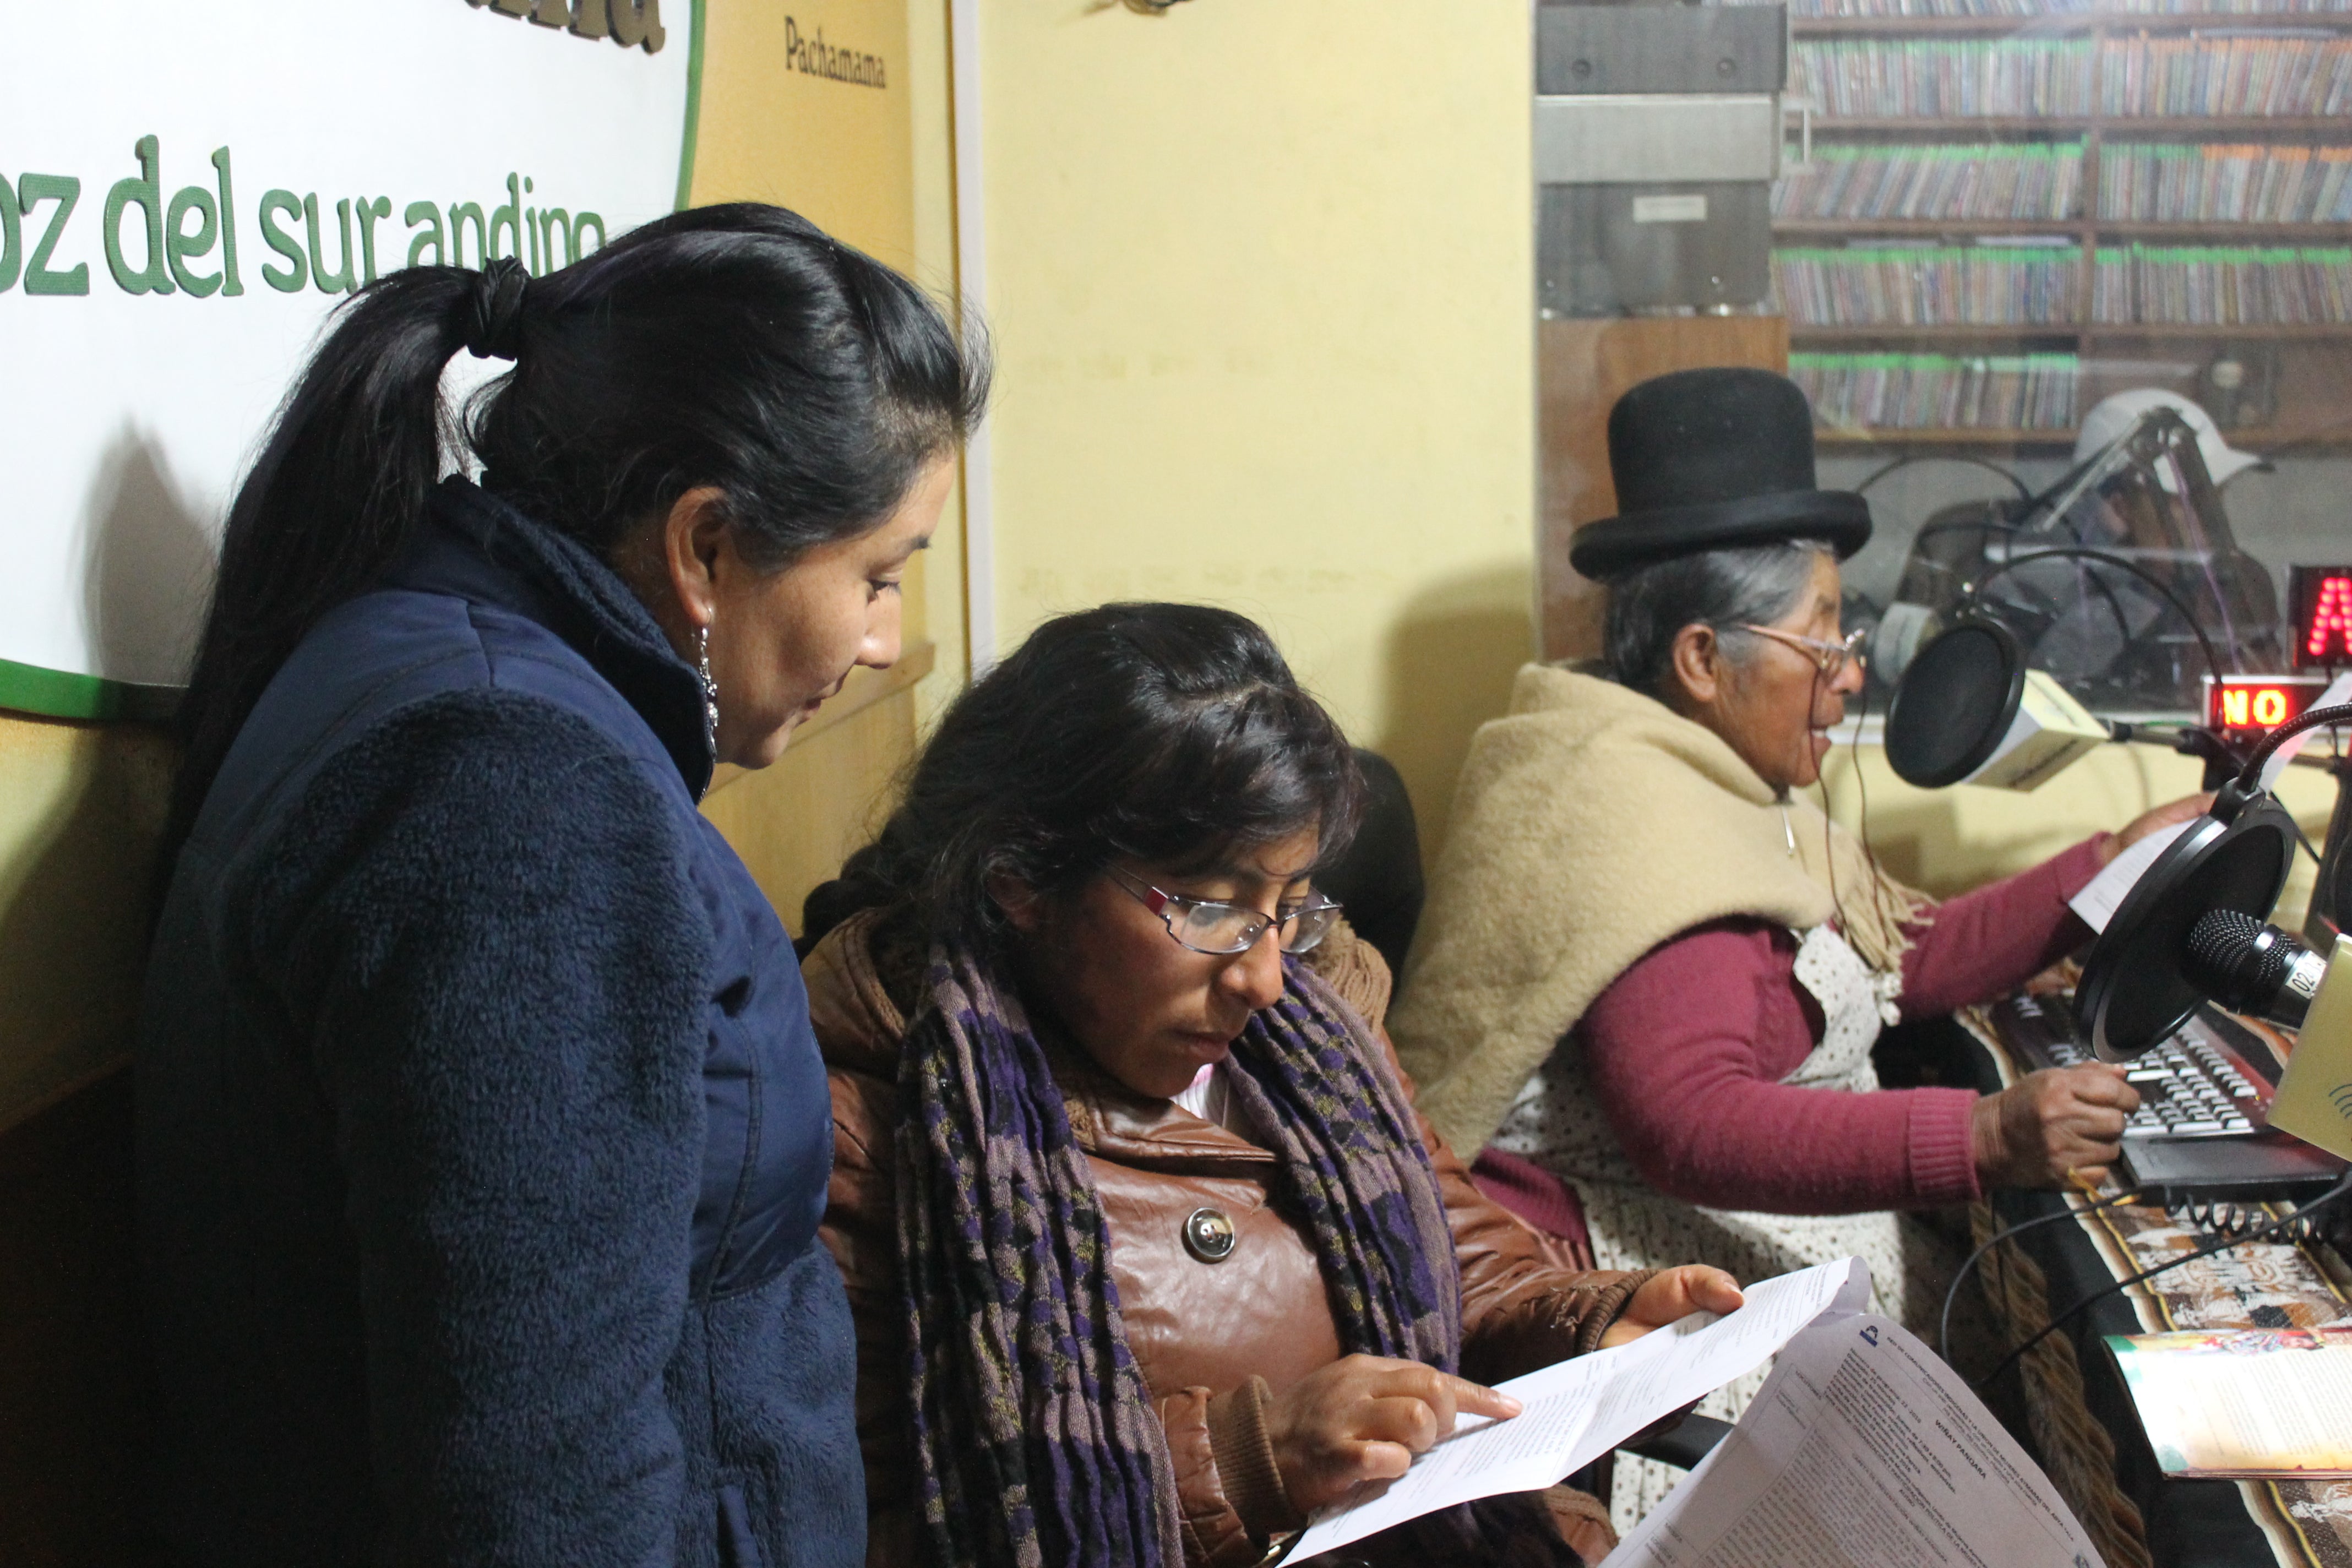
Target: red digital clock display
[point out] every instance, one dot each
(2251, 704)
(2320, 604)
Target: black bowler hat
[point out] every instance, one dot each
(1714, 459)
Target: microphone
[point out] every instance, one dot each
(2249, 967)
(2137, 987)
(1967, 707)
(2192, 929)
(2252, 968)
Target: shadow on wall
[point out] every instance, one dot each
(1451, 658)
(74, 1371)
(80, 807)
(148, 571)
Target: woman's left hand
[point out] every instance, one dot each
(2148, 822)
(1669, 1297)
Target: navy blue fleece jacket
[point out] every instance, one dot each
(482, 1135)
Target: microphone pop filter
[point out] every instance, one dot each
(2135, 990)
(1955, 704)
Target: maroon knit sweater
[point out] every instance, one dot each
(1686, 1048)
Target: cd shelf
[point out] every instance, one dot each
(2061, 166)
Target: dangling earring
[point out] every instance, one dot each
(709, 689)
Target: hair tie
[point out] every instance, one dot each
(494, 308)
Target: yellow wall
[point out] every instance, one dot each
(1948, 840)
(932, 264)
(1260, 274)
(80, 808)
(874, 167)
(836, 152)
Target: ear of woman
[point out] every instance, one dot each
(1021, 903)
(1699, 667)
(779, 639)
(1750, 676)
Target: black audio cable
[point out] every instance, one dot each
(1944, 1325)
(2342, 1186)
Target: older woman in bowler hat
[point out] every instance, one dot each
(1650, 974)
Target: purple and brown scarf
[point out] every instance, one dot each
(1035, 1433)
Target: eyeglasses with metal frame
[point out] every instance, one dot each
(1207, 925)
(1829, 657)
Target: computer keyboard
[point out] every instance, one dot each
(2201, 1145)
(2198, 1084)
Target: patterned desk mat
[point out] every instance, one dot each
(2266, 1285)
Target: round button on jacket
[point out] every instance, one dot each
(1209, 1235)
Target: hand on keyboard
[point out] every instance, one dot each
(2053, 1123)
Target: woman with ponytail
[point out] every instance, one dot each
(482, 1134)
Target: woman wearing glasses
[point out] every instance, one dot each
(1149, 1254)
(1648, 978)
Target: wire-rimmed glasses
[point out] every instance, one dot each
(1829, 657)
(1206, 925)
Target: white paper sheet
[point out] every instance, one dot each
(2338, 692)
(1861, 1449)
(2103, 894)
(1576, 1410)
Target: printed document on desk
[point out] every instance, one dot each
(1576, 1410)
(1861, 1449)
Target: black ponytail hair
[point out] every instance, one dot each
(1173, 734)
(735, 346)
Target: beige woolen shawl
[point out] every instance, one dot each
(1591, 824)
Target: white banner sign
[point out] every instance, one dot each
(187, 191)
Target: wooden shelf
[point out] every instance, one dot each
(2128, 228)
(2314, 331)
(2250, 440)
(2300, 233)
(2058, 24)
(2194, 127)
(2308, 377)
(1825, 436)
(1938, 332)
(1921, 228)
(2009, 332)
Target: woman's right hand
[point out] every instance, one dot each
(2051, 1123)
(1362, 1419)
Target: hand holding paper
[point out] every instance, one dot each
(1362, 1419)
(1575, 1411)
(1670, 1296)
(2102, 895)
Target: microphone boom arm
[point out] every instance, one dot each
(2084, 553)
(2317, 719)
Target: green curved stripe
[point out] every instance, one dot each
(56, 694)
(693, 107)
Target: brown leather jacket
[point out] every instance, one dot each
(1203, 1334)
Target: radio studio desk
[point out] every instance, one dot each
(2080, 1421)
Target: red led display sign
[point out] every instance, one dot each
(2319, 604)
(2250, 704)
